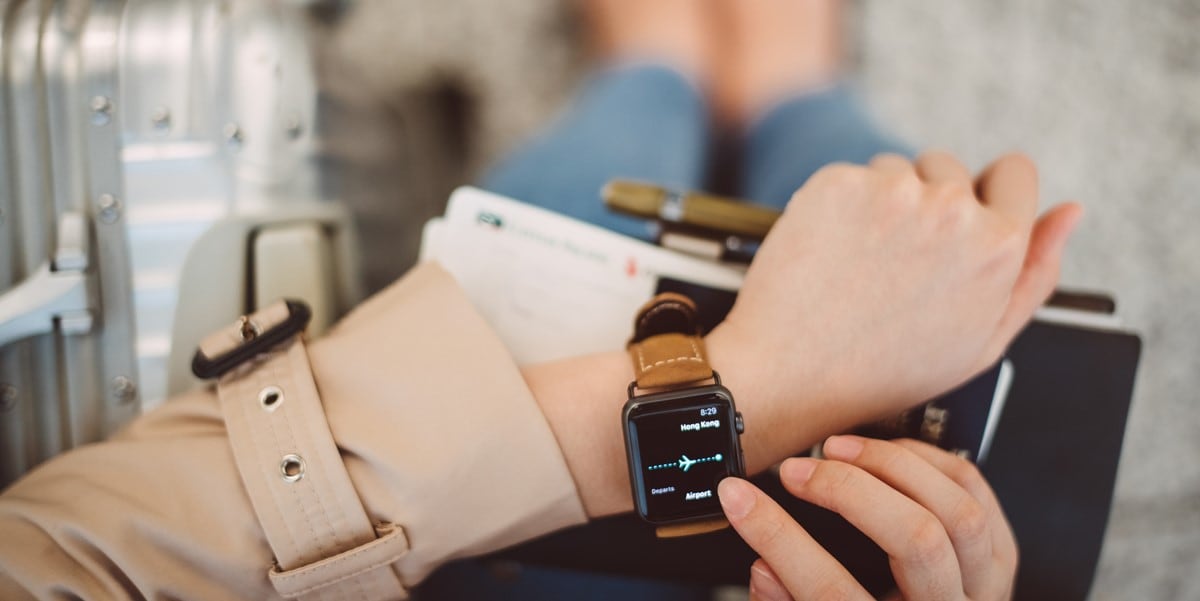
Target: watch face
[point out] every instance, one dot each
(680, 445)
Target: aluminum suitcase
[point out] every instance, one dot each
(158, 176)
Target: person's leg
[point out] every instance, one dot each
(778, 85)
(636, 121)
(798, 137)
(642, 120)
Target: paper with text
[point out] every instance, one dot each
(551, 286)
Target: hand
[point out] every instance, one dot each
(892, 282)
(930, 511)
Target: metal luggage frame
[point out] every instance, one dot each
(134, 195)
(67, 161)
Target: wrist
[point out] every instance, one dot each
(787, 405)
(581, 399)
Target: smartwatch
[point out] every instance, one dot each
(682, 429)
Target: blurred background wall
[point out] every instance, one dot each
(1104, 94)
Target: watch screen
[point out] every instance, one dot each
(681, 449)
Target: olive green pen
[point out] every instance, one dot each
(720, 215)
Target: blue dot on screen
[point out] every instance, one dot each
(717, 457)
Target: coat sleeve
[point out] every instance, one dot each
(434, 422)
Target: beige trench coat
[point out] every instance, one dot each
(437, 429)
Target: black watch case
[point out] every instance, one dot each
(679, 445)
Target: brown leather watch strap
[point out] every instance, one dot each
(691, 528)
(666, 347)
(667, 350)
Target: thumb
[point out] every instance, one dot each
(1039, 273)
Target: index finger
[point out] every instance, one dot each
(1010, 187)
(806, 569)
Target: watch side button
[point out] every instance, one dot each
(738, 424)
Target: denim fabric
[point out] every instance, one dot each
(635, 122)
(796, 138)
(648, 122)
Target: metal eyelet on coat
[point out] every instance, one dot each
(270, 398)
(291, 467)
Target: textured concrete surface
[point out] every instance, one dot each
(1104, 94)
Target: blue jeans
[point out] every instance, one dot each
(649, 123)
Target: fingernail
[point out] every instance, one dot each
(737, 497)
(797, 470)
(845, 448)
(764, 585)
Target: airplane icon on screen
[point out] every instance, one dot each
(685, 463)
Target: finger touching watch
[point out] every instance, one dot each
(682, 430)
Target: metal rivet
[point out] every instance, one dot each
(124, 389)
(291, 467)
(8, 397)
(248, 329)
(270, 398)
(233, 135)
(161, 119)
(108, 208)
(101, 110)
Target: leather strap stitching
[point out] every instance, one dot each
(667, 353)
(695, 356)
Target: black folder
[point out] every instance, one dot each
(1054, 459)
